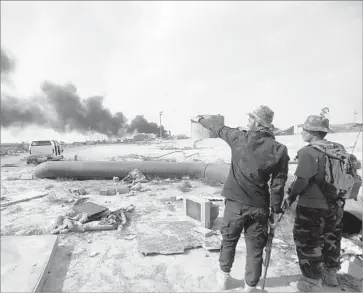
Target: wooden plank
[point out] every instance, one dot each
(22, 200)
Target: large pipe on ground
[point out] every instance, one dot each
(107, 170)
(213, 172)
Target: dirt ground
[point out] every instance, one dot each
(110, 261)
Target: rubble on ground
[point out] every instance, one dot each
(38, 159)
(81, 222)
(135, 176)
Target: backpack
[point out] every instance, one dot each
(340, 174)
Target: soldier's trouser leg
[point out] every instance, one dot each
(308, 237)
(231, 229)
(333, 229)
(256, 238)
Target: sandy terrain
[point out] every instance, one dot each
(111, 261)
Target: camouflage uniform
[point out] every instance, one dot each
(318, 222)
(256, 158)
(317, 236)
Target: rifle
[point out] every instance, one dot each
(270, 237)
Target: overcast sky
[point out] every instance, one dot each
(187, 58)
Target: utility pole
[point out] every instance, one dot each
(355, 116)
(161, 132)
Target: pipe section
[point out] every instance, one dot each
(107, 170)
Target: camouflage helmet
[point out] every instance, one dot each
(264, 116)
(316, 123)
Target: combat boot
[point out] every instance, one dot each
(330, 277)
(222, 279)
(308, 285)
(248, 288)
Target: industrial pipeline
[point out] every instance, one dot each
(86, 170)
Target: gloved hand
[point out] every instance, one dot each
(286, 203)
(273, 220)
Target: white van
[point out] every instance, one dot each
(45, 147)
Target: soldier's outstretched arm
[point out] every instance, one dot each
(226, 133)
(278, 180)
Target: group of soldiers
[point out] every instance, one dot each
(252, 206)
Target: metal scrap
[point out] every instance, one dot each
(81, 222)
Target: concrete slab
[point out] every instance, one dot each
(167, 237)
(25, 262)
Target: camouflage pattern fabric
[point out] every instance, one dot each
(316, 123)
(253, 222)
(317, 236)
(264, 115)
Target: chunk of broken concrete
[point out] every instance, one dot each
(26, 176)
(116, 179)
(167, 237)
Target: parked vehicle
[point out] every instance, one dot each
(45, 147)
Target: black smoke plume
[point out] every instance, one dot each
(7, 63)
(141, 125)
(62, 109)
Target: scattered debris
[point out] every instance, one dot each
(26, 176)
(4, 190)
(78, 191)
(122, 190)
(114, 190)
(12, 178)
(93, 254)
(136, 187)
(130, 237)
(91, 217)
(49, 186)
(22, 200)
(203, 231)
(215, 198)
(80, 201)
(116, 179)
(179, 198)
(38, 159)
(186, 186)
(90, 208)
(9, 165)
(108, 191)
(135, 176)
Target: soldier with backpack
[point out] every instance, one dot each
(324, 178)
